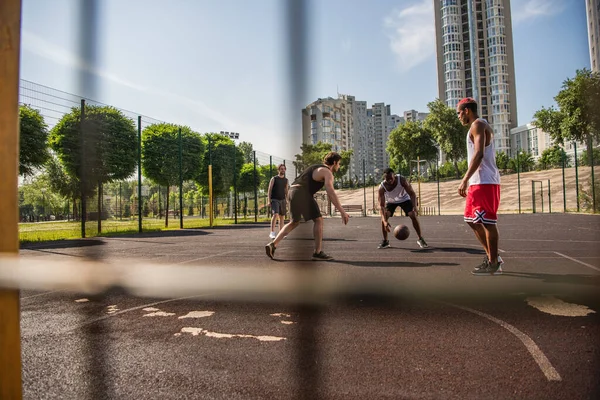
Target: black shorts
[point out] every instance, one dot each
(302, 204)
(278, 206)
(406, 206)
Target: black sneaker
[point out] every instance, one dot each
(270, 249)
(320, 256)
(385, 244)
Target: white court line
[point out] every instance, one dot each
(205, 257)
(537, 354)
(577, 261)
(41, 294)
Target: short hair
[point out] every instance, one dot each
(468, 103)
(388, 171)
(281, 165)
(331, 158)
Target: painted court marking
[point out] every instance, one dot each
(205, 257)
(538, 356)
(553, 306)
(577, 261)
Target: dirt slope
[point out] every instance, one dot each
(452, 203)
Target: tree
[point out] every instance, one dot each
(525, 162)
(314, 153)
(577, 115)
(585, 159)
(160, 155)
(552, 157)
(109, 147)
(62, 183)
(502, 160)
(247, 151)
(409, 141)
(246, 181)
(221, 150)
(33, 140)
(447, 130)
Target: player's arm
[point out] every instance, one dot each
(270, 187)
(382, 210)
(331, 193)
(478, 132)
(408, 187)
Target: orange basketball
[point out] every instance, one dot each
(401, 232)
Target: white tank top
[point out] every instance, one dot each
(397, 194)
(487, 173)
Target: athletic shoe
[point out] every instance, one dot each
(481, 266)
(486, 262)
(490, 269)
(272, 235)
(385, 244)
(422, 243)
(320, 256)
(270, 249)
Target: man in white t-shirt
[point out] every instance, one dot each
(481, 186)
(395, 191)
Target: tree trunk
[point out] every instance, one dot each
(456, 168)
(99, 207)
(75, 214)
(167, 209)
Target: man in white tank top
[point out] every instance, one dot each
(481, 186)
(395, 191)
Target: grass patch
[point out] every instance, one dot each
(32, 232)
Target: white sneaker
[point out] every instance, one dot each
(272, 235)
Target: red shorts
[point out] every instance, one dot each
(482, 204)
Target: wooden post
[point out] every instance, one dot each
(10, 337)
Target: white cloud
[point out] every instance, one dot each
(412, 34)
(525, 10)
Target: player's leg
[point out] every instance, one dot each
(480, 234)
(389, 212)
(485, 217)
(318, 234)
(409, 211)
(491, 234)
(274, 219)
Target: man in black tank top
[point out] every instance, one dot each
(278, 193)
(304, 205)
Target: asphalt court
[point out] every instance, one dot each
(530, 333)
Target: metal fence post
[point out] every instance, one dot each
(564, 161)
(549, 198)
(593, 180)
(140, 174)
(82, 167)
(576, 176)
(180, 180)
(364, 191)
(255, 190)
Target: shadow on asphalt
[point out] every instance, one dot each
(467, 250)
(393, 264)
(593, 280)
(64, 244)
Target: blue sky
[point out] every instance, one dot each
(222, 64)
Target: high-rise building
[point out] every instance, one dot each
(475, 59)
(592, 8)
(322, 122)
